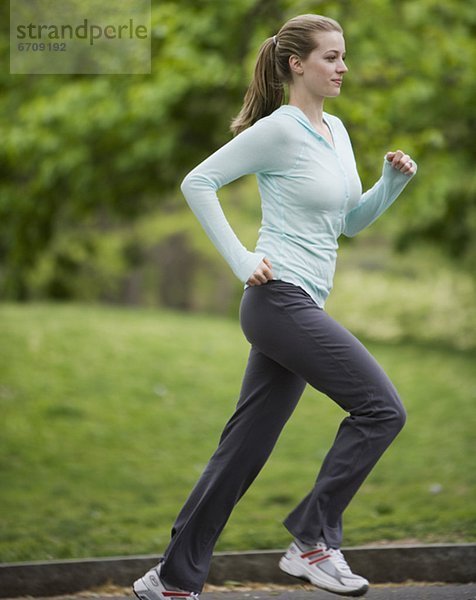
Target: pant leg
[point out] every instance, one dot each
(268, 396)
(334, 362)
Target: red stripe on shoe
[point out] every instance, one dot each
(176, 594)
(311, 553)
(313, 562)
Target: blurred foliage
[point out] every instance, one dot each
(83, 157)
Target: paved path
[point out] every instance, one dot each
(377, 592)
(417, 592)
(431, 563)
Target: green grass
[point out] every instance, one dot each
(109, 415)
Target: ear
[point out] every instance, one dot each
(295, 64)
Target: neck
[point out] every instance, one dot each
(313, 108)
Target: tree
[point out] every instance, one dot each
(96, 151)
(100, 150)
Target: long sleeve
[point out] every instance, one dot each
(261, 148)
(376, 200)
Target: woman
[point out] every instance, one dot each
(311, 194)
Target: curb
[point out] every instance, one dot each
(451, 563)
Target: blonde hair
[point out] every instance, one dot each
(266, 90)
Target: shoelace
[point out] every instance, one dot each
(339, 559)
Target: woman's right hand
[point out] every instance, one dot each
(262, 274)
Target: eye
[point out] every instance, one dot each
(331, 58)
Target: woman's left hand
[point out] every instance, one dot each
(402, 162)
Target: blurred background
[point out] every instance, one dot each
(120, 351)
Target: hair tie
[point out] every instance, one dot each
(275, 41)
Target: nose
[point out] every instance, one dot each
(342, 67)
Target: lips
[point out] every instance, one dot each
(339, 81)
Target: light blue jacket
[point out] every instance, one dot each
(310, 194)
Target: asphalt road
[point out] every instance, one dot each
(393, 592)
(377, 592)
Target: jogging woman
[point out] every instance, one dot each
(311, 194)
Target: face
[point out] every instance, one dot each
(322, 71)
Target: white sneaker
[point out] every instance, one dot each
(326, 568)
(151, 587)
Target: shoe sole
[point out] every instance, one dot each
(285, 566)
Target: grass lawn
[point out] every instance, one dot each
(108, 416)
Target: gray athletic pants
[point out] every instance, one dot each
(293, 342)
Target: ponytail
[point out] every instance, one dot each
(266, 91)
